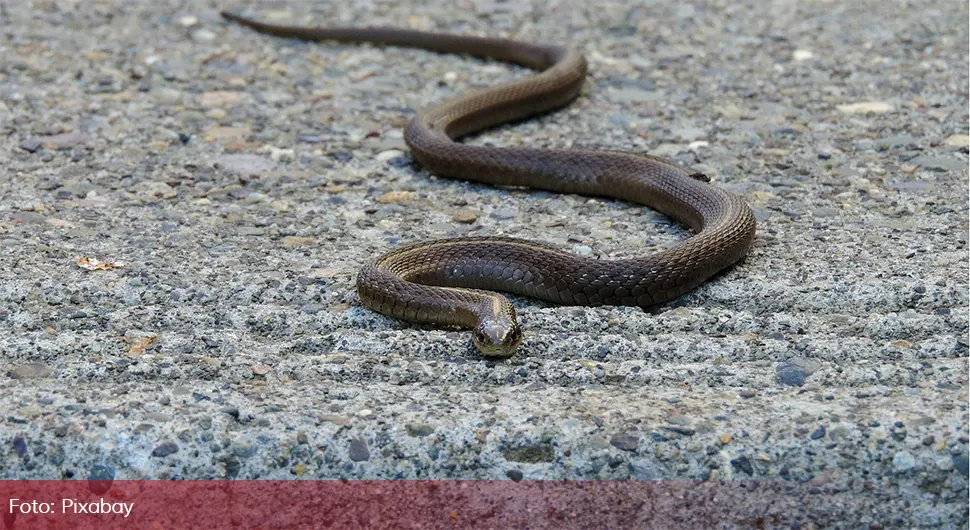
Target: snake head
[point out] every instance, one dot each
(497, 337)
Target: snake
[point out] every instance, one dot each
(455, 282)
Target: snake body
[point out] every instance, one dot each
(449, 282)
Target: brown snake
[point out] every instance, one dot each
(442, 282)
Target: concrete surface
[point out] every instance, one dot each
(233, 183)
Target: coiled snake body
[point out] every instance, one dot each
(448, 282)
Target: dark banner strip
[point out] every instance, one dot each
(440, 504)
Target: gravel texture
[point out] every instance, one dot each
(185, 204)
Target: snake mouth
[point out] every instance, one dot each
(496, 351)
(497, 338)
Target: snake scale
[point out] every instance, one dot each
(449, 282)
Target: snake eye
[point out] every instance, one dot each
(515, 337)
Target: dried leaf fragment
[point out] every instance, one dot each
(260, 369)
(138, 347)
(92, 264)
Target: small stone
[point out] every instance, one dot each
(165, 449)
(679, 419)
(221, 99)
(418, 430)
(396, 196)
(158, 416)
(731, 112)
(400, 161)
(958, 140)
(57, 141)
(30, 411)
(801, 55)
(214, 114)
(634, 95)
(903, 461)
(939, 163)
(686, 431)
(688, 134)
(645, 469)
(502, 214)
(203, 35)
(898, 433)
(961, 464)
(30, 371)
(839, 432)
(530, 454)
(944, 463)
(623, 121)
(225, 133)
(866, 107)
(189, 21)
(150, 190)
(794, 371)
(818, 433)
(237, 145)
(243, 449)
(255, 197)
(464, 216)
(743, 464)
(31, 145)
(20, 446)
(826, 212)
(297, 241)
(514, 474)
(894, 141)
(336, 420)
(725, 439)
(299, 470)
(694, 146)
(100, 478)
(260, 369)
(669, 150)
(625, 442)
(245, 165)
(748, 394)
(929, 440)
(358, 450)
(385, 156)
